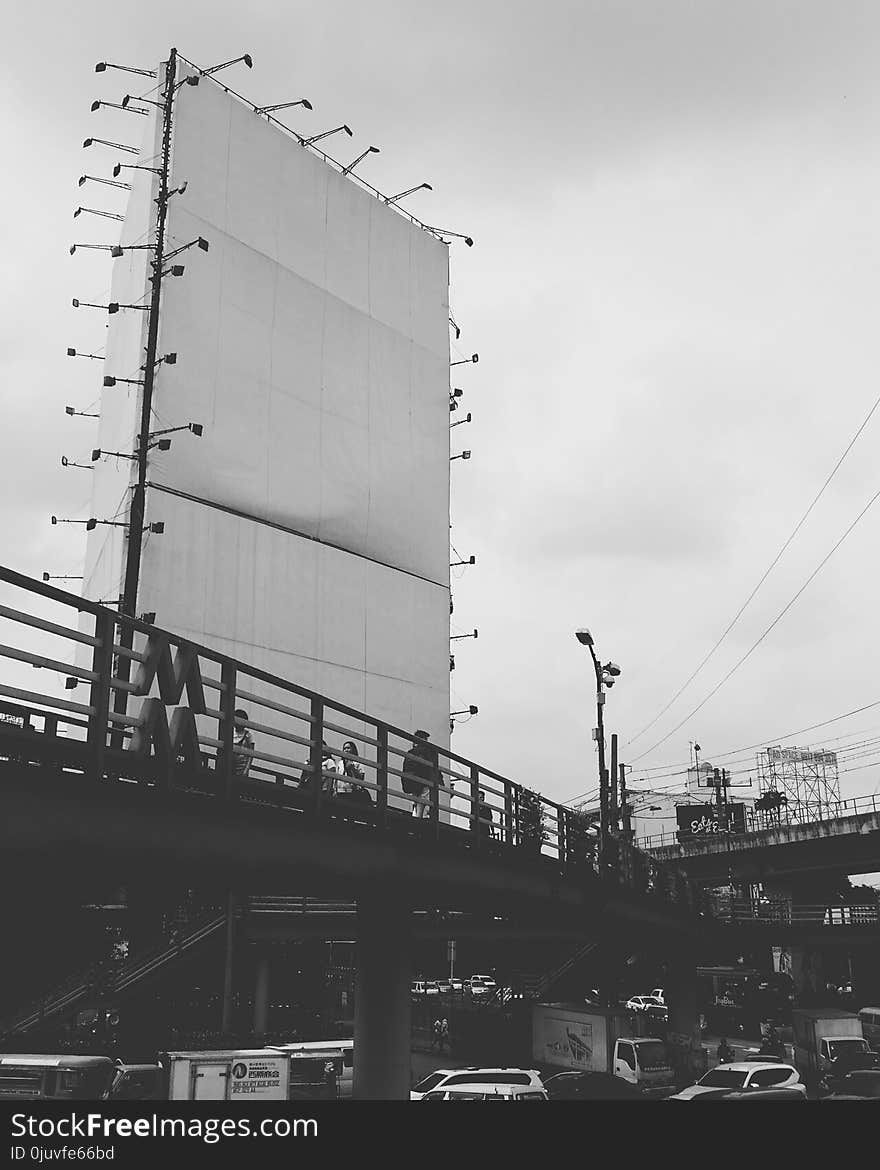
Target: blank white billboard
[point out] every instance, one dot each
(307, 530)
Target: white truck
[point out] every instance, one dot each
(594, 1039)
(828, 1042)
(247, 1074)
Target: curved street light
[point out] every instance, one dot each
(605, 678)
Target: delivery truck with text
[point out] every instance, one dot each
(828, 1042)
(594, 1039)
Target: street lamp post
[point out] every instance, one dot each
(605, 676)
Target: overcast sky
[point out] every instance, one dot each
(673, 292)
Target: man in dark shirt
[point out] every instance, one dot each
(420, 772)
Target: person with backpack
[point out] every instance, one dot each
(420, 772)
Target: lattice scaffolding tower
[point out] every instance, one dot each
(803, 776)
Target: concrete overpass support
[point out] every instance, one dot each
(684, 1019)
(382, 996)
(261, 996)
(807, 973)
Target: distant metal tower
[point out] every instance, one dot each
(804, 777)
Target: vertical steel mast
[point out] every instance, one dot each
(137, 511)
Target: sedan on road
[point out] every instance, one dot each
(591, 1086)
(744, 1074)
(641, 1003)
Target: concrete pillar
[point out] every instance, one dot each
(382, 996)
(807, 973)
(228, 957)
(261, 996)
(683, 1023)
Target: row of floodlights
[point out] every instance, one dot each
(246, 58)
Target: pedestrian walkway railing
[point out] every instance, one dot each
(814, 813)
(159, 711)
(741, 911)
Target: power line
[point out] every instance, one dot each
(756, 644)
(767, 573)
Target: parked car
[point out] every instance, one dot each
(481, 986)
(744, 1074)
(641, 1003)
(457, 985)
(591, 1086)
(487, 1092)
(659, 993)
(863, 1084)
(444, 986)
(446, 1078)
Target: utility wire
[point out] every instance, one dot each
(767, 573)
(756, 644)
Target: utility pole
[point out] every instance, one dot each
(128, 604)
(612, 787)
(624, 806)
(720, 810)
(605, 678)
(137, 511)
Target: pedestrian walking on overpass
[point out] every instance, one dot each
(420, 772)
(485, 818)
(353, 785)
(242, 746)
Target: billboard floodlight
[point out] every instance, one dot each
(326, 134)
(409, 191)
(102, 66)
(284, 106)
(370, 150)
(246, 57)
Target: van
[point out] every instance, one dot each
(870, 1017)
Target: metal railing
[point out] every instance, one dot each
(757, 821)
(172, 725)
(740, 911)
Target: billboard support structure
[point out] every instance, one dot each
(137, 509)
(136, 513)
(803, 777)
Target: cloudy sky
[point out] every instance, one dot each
(673, 294)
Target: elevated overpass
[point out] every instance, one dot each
(842, 838)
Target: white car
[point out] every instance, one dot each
(641, 1003)
(447, 1078)
(658, 993)
(481, 985)
(744, 1074)
(487, 1092)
